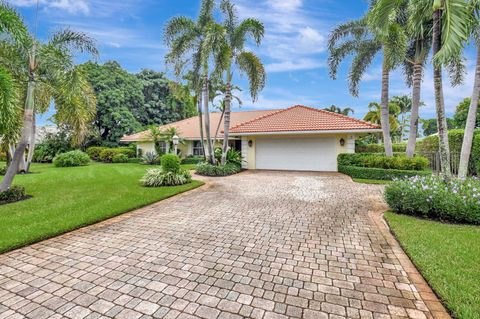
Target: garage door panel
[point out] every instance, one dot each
(303, 154)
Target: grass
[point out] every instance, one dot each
(448, 256)
(370, 181)
(68, 198)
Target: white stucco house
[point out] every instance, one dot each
(296, 138)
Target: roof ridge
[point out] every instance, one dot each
(339, 115)
(260, 117)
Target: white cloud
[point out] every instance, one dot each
(70, 6)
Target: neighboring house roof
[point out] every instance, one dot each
(301, 118)
(41, 132)
(190, 128)
(294, 119)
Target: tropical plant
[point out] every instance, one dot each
(170, 163)
(335, 109)
(157, 177)
(71, 159)
(404, 105)
(235, 56)
(150, 158)
(46, 72)
(167, 136)
(461, 114)
(196, 43)
(374, 115)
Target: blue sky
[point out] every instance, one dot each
(293, 50)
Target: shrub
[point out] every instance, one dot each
(3, 157)
(94, 152)
(233, 156)
(157, 177)
(134, 160)
(207, 169)
(13, 194)
(400, 162)
(193, 160)
(120, 158)
(106, 155)
(71, 159)
(378, 173)
(150, 158)
(433, 197)
(379, 148)
(170, 163)
(51, 146)
(3, 170)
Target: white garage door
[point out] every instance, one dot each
(299, 154)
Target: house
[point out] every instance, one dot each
(297, 138)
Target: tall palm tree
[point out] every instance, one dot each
(236, 57)
(374, 114)
(46, 72)
(404, 103)
(335, 109)
(196, 43)
(365, 38)
(474, 8)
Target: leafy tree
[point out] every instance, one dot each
(461, 114)
(119, 93)
(235, 56)
(430, 127)
(374, 115)
(45, 72)
(335, 109)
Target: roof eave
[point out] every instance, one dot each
(317, 132)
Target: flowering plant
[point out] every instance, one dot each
(431, 196)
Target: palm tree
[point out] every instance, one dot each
(335, 109)
(46, 72)
(472, 111)
(374, 114)
(404, 104)
(235, 55)
(196, 43)
(365, 38)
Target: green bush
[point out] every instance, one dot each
(120, 158)
(400, 162)
(134, 160)
(13, 194)
(170, 163)
(431, 196)
(3, 170)
(3, 157)
(158, 177)
(207, 169)
(94, 152)
(193, 160)
(150, 158)
(51, 146)
(106, 155)
(378, 173)
(233, 156)
(71, 159)
(380, 148)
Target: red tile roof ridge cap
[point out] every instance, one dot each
(274, 112)
(340, 115)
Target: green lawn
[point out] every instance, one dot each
(370, 181)
(68, 198)
(448, 256)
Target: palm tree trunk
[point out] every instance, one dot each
(385, 114)
(416, 89)
(211, 157)
(226, 122)
(444, 147)
(22, 145)
(200, 120)
(31, 146)
(215, 138)
(471, 121)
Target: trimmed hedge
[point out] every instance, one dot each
(170, 163)
(13, 194)
(378, 173)
(207, 169)
(400, 162)
(380, 148)
(94, 152)
(107, 154)
(120, 158)
(432, 197)
(193, 160)
(71, 159)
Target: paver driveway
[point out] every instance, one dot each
(254, 245)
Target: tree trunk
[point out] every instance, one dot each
(211, 155)
(385, 114)
(416, 89)
(215, 138)
(22, 145)
(31, 146)
(200, 120)
(226, 122)
(444, 147)
(471, 121)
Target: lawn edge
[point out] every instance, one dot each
(432, 301)
(103, 222)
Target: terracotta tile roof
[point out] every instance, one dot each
(190, 128)
(302, 118)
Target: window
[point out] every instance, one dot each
(161, 148)
(197, 148)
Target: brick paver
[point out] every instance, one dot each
(254, 245)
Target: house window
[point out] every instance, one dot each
(197, 148)
(161, 148)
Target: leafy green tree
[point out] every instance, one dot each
(335, 109)
(119, 93)
(374, 115)
(430, 127)
(45, 72)
(236, 57)
(461, 114)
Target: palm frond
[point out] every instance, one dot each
(176, 27)
(9, 110)
(251, 65)
(365, 53)
(456, 69)
(384, 12)
(248, 27)
(357, 29)
(74, 40)
(206, 12)
(338, 54)
(395, 45)
(11, 24)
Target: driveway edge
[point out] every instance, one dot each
(429, 297)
